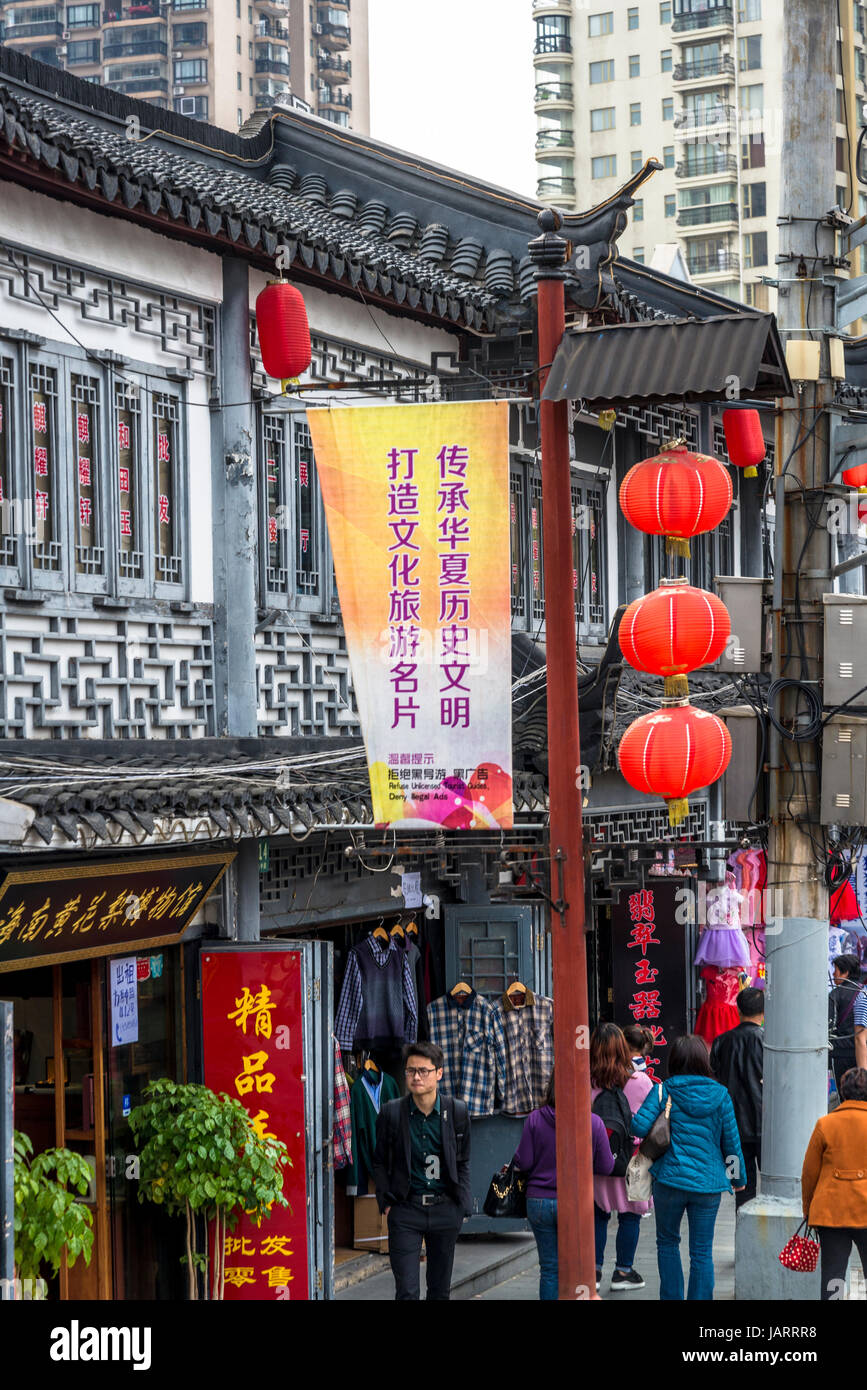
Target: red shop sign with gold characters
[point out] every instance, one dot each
(252, 1009)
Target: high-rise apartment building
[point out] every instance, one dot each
(217, 60)
(698, 86)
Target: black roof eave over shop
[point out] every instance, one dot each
(684, 360)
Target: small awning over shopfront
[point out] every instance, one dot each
(726, 356)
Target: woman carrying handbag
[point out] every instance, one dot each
(536, 1158)
(834, 1183)
(703, 1159)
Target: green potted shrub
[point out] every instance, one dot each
(199, 1156)
(49, 1219)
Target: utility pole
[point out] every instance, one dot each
(796, 1028)
(576, 1244)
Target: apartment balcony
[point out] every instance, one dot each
(712, 69)
(112, 48)
(333, 36)
(557, 142)
(333, 69)
(709, 214)
(708, 21)
(337, 101)
(278, 66)
(265, 101)
(122, 14)
(556, 46)
(138, 86)
(563, 187)
(554, 94)
(47, 29)
(716, 122)
(552, 6)
(271, 29)
(719, 263)
(705, 165)
(272, 7)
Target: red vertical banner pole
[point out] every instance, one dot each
(576, 1244)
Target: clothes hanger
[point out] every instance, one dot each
(412, 927)
(381, 932)
(371, 1066)
(397, 931)
(517, 993)
(460, 988)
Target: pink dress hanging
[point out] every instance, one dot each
(722, 942)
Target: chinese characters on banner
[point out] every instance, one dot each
(252, 1021)
(649, 954)
(417, 501)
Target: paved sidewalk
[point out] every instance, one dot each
(525, 1285)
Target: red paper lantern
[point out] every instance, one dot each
(677, 494)
(744, 439)
(856, 477)
(673, 630)
(284, 333)
(674, 752)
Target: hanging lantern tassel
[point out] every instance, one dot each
(677, 546)
(676, 687)
(678, 810)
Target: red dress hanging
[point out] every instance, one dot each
(718, 1013)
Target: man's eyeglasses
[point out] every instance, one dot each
(420, 1071)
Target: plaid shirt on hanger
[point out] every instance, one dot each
(473, 1044)
(529, 1036)
(342, 1132)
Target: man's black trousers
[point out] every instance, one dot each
(752, 1157)
(439, 1226)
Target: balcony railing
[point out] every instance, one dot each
(556, 188)
(140, 84)
(118, 13)
(706, 116)
(554, 91)
(265, 100)
(708, 212)
(270, 29)
(276, 65)
(341, 99)
(112, 49)
(713, 263)
(706, 164)
(47, 29)
(552, 5)
(554, 139)
(720, 16)
(327, 63)
(553, 43)
(710, 67)
(335, 33)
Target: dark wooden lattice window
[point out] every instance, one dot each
(306, 512)
(517, 544)
(47, 548)
(9, 505)
(127, 454)
(167, 493)
(277, 509)
(84, 437)
(536, 553)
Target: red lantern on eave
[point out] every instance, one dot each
(676, 494)
(674, 752)
(673, 630)
(284, 333)
(856, 477)
(744, 439)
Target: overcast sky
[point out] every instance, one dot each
(453, 80)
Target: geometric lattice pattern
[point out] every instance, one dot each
(184, 328)
(93, 676)
(634, 825)
(661, 422)
(304, 684)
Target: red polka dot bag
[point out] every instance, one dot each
(801, 1253)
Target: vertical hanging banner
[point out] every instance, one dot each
(648, 944)
(417, 501)
(251, 1021)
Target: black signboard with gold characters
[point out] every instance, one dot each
(73, 911)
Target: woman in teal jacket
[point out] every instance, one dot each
(703, 1160)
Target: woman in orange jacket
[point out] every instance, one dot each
(834, 1182)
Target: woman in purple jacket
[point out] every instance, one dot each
(536, 1156)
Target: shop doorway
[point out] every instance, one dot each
(74, 1090)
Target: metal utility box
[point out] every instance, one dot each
(743, 599)
(845, 660)
(741, 777)
(844, 771)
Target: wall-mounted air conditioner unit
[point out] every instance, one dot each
(178, 91)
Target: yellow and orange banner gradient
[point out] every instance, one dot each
(417, 502)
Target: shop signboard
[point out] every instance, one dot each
(77, 911)
(649, 953)
(417, 501)
(252, 1009)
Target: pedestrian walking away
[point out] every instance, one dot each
(640, 1043)
(842, 1002)
(536, 1156)
(834, 1183)
(703, 1160)
(421, 1170)
(737, 1060)
(617, 1086)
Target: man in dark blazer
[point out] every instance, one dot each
(737, 1060)
(421, 1169)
